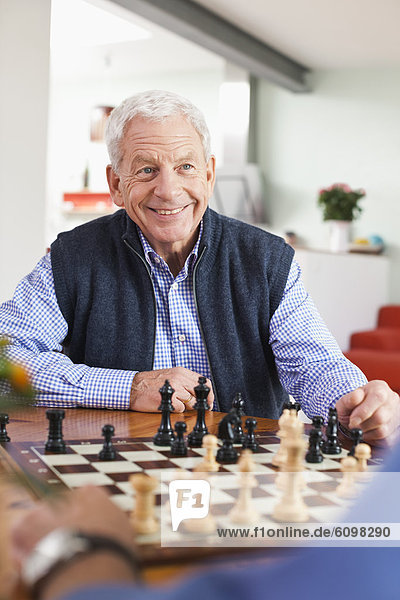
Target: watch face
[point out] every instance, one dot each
(58, 546)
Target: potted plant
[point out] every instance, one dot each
(340, 206)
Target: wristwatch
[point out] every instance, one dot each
(62, 546)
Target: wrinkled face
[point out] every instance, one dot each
(163, 181)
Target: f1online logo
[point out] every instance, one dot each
(188, 499)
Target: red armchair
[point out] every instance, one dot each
(377, 352)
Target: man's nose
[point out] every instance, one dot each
(167, 184)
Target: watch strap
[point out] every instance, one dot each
(90, 545)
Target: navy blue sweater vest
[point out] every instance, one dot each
(105, 293)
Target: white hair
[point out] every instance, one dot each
(154, 105)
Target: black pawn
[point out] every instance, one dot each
(250, 439)
(4, 420)
(55, 442)
(357, 437)
(107, 452)
(178, 445)
(165, 434)
(195, 437)
(318, 422)
(314, 454)
(238, 405)
(332, 445)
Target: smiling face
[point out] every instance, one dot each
(163, 182)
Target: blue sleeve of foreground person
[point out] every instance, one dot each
(367, 573)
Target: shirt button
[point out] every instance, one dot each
(157, 260)
(181, 337)
(174, 286)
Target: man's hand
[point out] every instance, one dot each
(375, 409)
(145, 395)
(88, 509)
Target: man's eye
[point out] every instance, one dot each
(187, 167)
(147, 170)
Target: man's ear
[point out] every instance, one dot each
(211, 175)
(114, 184)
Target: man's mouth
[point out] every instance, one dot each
(163, 211)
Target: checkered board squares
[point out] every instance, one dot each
(80, 465)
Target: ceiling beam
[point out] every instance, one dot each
(198, 24)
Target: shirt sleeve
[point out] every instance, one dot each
(311, 366)
(36, 327)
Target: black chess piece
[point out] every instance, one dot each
(227, 454)
(55, 442)
(289, 405)
(250, 439)
(296, 406)
(318, 422)
(238, 405)
(107, 452)
(178, 445)
(357, 437)
(314, 454)
(165, 434)
(4, 420)
(195, 437)
(332, 445)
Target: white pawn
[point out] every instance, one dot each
(347, 488)
(210, 443)
(143, 518)
(243, 512)
(362, 453)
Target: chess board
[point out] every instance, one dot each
(80, 465)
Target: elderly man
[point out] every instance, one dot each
(168, 289)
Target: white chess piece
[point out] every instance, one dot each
(243, 512)
(143, 518)
(362, 453)
(291, 507)
(210, 443)
(347, 488)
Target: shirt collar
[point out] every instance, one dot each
(154, 259)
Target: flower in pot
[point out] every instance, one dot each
(340, 203)
(340, 206)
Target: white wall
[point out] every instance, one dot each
(346, 130)
(24, 76)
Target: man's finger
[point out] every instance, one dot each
(350, 401)
(179, 406)
(378, 395)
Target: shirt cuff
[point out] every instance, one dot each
(107, 388)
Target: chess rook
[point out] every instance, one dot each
(55, 442)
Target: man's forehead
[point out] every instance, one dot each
(147, 137)
(141, 130)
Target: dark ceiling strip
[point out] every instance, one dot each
(198, 24)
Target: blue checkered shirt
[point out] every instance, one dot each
(310, 365)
